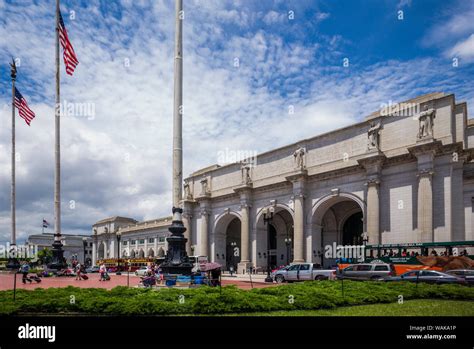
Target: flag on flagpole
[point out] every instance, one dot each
(45, 223)
(23, 109)
(69, 56)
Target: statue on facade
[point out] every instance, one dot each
(204, 186)
(426, 122)
(245, 171)
(299, 156)
(373, 137)
(187, 191)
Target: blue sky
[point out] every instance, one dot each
(117, 161)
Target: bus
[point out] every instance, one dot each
(114, 264)
(403, 256)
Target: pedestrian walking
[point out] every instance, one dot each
(78, 271)
(25, 269)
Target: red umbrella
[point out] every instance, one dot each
(209, 266)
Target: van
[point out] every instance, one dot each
(368, 271)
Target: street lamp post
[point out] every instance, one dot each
(119, 236)
(288, 244)
(84, 243)
(233, 244)
(365, 240)
(267, 220)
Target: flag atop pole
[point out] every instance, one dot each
(69, 56)
(22, 105)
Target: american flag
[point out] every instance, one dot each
(23, 109)
(70, 59)
(45, 223)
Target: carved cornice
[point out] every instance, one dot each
(297, 176)
(425, 172)
(433, 146)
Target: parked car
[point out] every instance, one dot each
(93, 269)
(302, 272)
(141, 271)
(368, 271)
(429, 276)
(466, 274)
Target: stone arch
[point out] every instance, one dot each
(227, 230)
(133, 254)
(277, 207)
(161, 252)
(323, 204)
(327, 220)
(281, 229)
(141, 253)
(151, 253)
(124, 253)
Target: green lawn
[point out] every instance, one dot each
(421, 307)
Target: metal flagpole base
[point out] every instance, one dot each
(176, 261)
(13, 263)
(58, 261)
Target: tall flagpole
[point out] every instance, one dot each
(176, 261)
(58, 260)
(12, 260)
(57, 151)
(178, 107)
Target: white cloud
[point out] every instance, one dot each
(464, 49)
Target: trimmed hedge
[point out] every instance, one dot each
(206, 300)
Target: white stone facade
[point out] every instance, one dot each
(403, 177)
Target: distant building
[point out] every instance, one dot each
(75, 246)
(137, 239)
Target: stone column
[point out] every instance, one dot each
(112, 250)
(373, 163)
(94, 253)
(187, 221)
(373, 212)
(425, 152)
(299, 180)
(299, 228)
(425, 205)
(204, 249)
(245, 192)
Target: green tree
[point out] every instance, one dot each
(45, 256)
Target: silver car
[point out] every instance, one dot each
(466, 274)
(368, 271)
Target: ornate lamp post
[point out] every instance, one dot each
(233, 244)
(84, 244)
(268, 219)
(365, 240)
(119, 236)
(288, 244)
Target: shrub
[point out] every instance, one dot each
(206, 300)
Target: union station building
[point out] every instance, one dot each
(404, 174)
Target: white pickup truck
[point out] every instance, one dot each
(303, 272)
